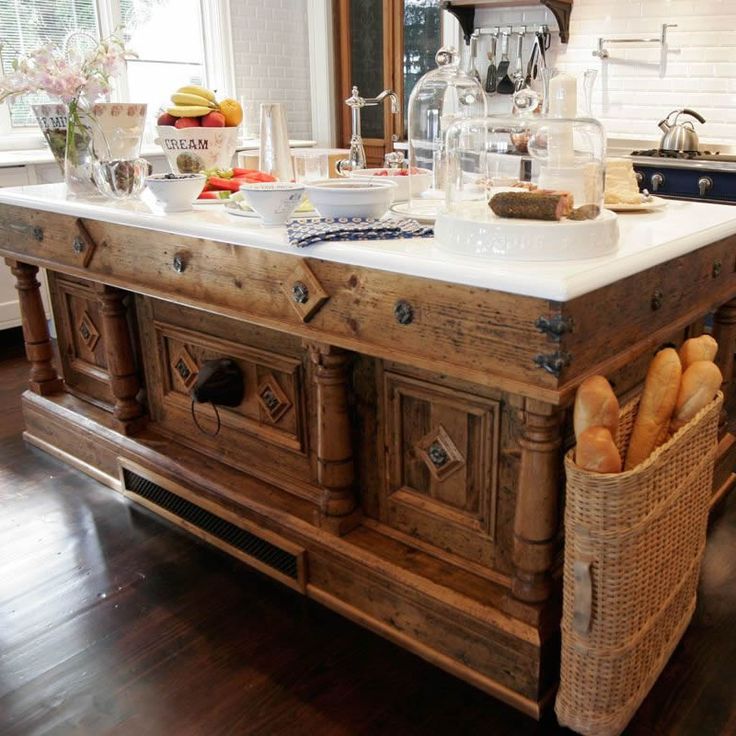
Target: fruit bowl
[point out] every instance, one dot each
(190, 150)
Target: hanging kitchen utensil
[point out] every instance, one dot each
(471, 51)
(505, 86)
(532, 64)
(541, 59)
(491, 74)
(518, 75)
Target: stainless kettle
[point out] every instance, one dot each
(679, 136)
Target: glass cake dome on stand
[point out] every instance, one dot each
(557, 162)
(439, 98)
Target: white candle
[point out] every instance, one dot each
(563, 96)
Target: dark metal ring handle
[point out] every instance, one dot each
(179, 264)
(78, 245)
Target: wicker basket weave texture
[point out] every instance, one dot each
(639, 537)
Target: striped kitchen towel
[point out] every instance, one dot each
(307, 231)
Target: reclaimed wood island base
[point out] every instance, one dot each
(397, 453)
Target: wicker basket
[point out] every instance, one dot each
(633, 546)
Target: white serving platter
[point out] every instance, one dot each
(476, 232)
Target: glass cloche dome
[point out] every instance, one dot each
(526, 187)
(441, 97)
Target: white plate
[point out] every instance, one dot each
(476, 232)
(653, 203)
(211, 201)
(424, 212)
(252, 214)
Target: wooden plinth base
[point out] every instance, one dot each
(459, 621)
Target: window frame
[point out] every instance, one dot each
(218, 66)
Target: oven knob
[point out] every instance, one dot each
(705, 184)
(657, 182)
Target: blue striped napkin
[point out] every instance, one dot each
(307, 231)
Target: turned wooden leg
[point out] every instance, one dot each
(120, 362)
(335, 472)
(536, 516)
(43, 377)
(724, 331)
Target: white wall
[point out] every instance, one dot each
(271, 53)
(633, 91)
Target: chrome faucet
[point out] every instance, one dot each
(356, 157)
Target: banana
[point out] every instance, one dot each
(188, 111)
(195, 89)
(186, 98)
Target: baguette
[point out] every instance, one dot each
(597, 452)
(595, 406)
(697, 348)
(697, 389)
(656, 406)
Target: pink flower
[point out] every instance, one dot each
(66, 74)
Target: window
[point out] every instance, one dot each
(167, 35)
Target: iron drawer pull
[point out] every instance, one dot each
(300, 292)
(404, 312)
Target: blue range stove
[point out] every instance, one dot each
(695, 175)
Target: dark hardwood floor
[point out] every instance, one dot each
(113, 622)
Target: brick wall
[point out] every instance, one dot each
(271, 55)
(634, 90)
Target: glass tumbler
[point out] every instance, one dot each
(310, 165)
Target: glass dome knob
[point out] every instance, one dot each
(447, 56)
(525, 101)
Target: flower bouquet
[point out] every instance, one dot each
(79, 74)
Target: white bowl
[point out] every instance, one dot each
(407, 185)
(176, 192)
(274, 201)
(189, 150)
(337, 198)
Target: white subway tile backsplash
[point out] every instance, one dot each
(634, 90)
(271, 54)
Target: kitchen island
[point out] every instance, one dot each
(397, 452)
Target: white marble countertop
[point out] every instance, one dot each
(647, 239)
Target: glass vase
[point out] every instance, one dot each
(79, 155)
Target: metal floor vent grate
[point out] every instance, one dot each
(250, 544)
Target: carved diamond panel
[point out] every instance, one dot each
(272, 399)
(87, 331)
(185, 368)
(439, 453)
(304, 292)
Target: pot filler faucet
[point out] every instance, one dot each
(356, 157)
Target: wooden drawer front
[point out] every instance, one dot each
(47, 238)
(473, 333)
(81, 338)
(265, 435)
(441, 483)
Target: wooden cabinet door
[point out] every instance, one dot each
(382, 44)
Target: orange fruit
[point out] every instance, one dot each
(232, 111)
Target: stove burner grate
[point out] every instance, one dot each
(686, 155)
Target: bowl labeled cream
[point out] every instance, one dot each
(369, 197)
(274, 201)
